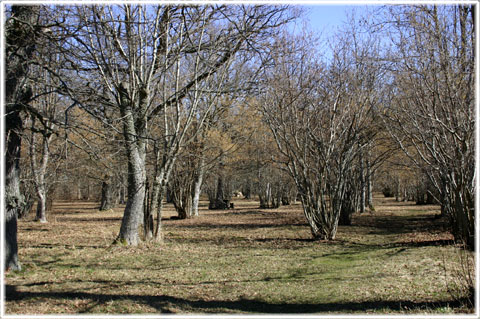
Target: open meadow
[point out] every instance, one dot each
(397, 259)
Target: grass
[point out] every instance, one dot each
(245, 260)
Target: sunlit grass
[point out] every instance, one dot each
(242, 261)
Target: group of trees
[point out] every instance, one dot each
(142, 103)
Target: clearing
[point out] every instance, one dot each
(247, 260)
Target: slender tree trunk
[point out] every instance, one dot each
(362, 186)
(147, 215)
(397, 190)
(158, 229)
(79, 190)
(369, 186)
(87, 197)
(197, 187)
(159, 190)
(39, 178)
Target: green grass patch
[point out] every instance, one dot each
(242, 261)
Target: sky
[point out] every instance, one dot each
(327, 17)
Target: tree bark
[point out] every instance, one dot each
(13, 198)
(39, 174)
(20, 45)
(133, 130)
(363, 185)
(197, 187)
(109, 196)
(369, 185)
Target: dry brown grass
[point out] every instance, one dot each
(245, 260)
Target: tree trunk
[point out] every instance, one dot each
(369, 186)
(13, 198)
(197, 187)
(41, 208)
(109, 196)
(348, 206)
(20, 46)
(397, 190)
(39, 178)
(133, 130)
(362, 186)
(147, 213)
(134, 208)
(158, 229)
(79, 190)
(219, 200)
(323, 221)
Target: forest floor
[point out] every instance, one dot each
(397, 259)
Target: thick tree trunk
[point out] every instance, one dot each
(134, 208)
(218, 202)
(20, 46)
(348, 206)
(13, 198)
(109, 196)
(133, 130)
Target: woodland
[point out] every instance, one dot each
(228, 159)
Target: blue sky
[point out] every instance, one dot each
(327, 18)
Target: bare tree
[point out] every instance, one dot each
(319, 117)
(432, 113)
(149, 66)
(21, 36)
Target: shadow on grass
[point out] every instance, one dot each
(89, 220)
(238, 225)
(392, 225)
(163, 303)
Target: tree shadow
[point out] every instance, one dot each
(89, 220)
(239, 225)
(396, 225)
(164, 303)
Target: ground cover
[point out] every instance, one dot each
(247, 260)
